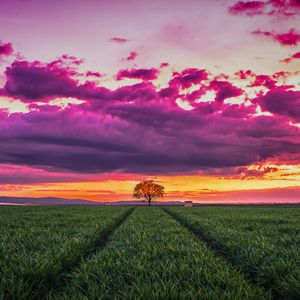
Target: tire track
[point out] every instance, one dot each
(218, 250)
(62, 280)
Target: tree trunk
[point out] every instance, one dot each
(149, 202)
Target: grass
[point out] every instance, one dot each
(39, 244)
(151, 256)
(263, 242)
(149, 253)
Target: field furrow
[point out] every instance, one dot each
(264, 243)
(151, 256)
(39, 246)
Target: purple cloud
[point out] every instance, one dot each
(188, 77)
(143, 136)
(282, 103)
(247, 7)
(264, 80)
(224, 90)
(145, 74)
(5, 49)
(132, 56)
(93, 74)
(119, 40)
(279, 8)
(294, 56)
(140, 128)
(290, 38)
(33, 81)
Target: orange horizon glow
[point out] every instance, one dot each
(199, 188)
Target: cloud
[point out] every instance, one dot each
(119, 40)
(244, 74)
(290, 38)
(18, 174)
(188, 77)
(262, 196)
(6, 49)
(145, 74)
(132, 56)
(69, 60)
(38, 82)
(224, 90)
(248, 7)
(142, 134)
(282, 103)
(284, 7)
(264, 80)
(164, 65)
(277, 8)
(140, 128)
(93, 74)
(253, 172)
(33, 80)
(289, 59)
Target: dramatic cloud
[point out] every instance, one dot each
(37, 82)
(145, 74)
(141, 128)
(282, 102)
(5, 49)
(33, 80)
(145, 137)
(291, 38)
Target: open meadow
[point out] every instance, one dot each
(206, 252)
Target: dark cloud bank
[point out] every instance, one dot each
(140, 128)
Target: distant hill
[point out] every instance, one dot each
(43, 201)
(62, 201)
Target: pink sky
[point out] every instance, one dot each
(97, 95)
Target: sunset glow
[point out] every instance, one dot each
(202, 96)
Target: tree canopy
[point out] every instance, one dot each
(149, 190)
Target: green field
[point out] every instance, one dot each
(207, 252)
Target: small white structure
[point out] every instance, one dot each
(188, 203)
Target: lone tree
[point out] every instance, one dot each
(149, 190)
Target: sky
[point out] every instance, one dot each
(201, 96)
